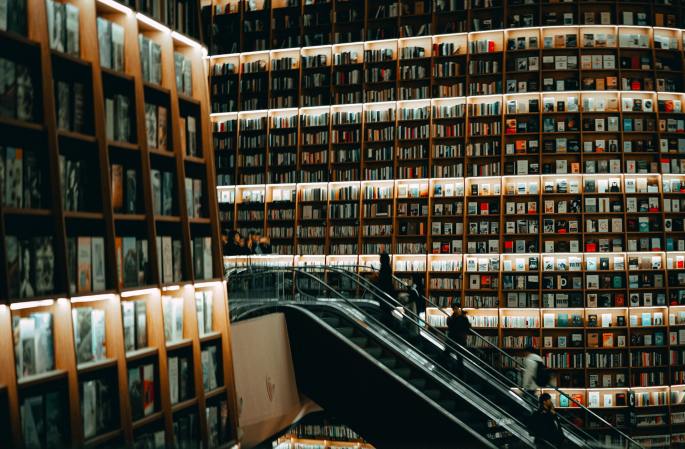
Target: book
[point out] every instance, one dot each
(71, 27)
(84, 264)
(148, 389)
(161, 128)
(135, 390)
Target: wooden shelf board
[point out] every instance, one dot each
(22, 124)
(43, 378)
(115, 73)
(195, 160)
(102, 439)
(19, 39)
(180, 344)
(188, 99)
(210, 336)
(129, 217)
(77, 215)
(180, 406)
(73, 135)
(89, 367)
(142, 353)
(162, 153)
(27, 212)
(215, 392)
(70, 58)
(146, 420)
(201, 221)
(123, 145)
(156, 87)
(168, 218)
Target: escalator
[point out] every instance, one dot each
(488, 403)
(376, 382)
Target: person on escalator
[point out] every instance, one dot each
(458, 327)
(416, 297)
(545, 426)
(384, 284)
(535, 373)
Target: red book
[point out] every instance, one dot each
(591, 247)
(491, 46)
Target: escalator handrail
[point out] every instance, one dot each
(297, 270)
(340, 269)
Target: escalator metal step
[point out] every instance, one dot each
(418, 383)
(402, 372)
(374, 351)
(390, 362)
(359, 341)
(346, 331)
(433, 394)
(332, 320)
(448, 404)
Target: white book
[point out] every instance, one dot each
(117, 47)
(104, 27)
(98, 333)
(173, 379)
(72, 30)
(89, 407)
(167, 257)
(129, 321)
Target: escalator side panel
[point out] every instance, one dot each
(365, 395)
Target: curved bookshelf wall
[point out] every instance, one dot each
(249, 25)
(538, 173)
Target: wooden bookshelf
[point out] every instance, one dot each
(340, 21)
(54, 287)
(548, 59)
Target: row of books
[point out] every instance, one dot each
(21, 179)
(17, 93)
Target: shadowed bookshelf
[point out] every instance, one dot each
(114, 226)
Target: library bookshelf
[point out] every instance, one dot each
(110, 308)
(549, 59)
(616, 348)
(264, 25)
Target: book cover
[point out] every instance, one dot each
(98, 333)
(144, 46)
(182, 126)
(84, 283)
(117, 47)
(151, 125)
(148, 389)
(98, 263)
(162, 128)
(131, 191)
(129, 322)
(130, 251)
(135, 391)
(89, 408)
(117, 174)
(25, 94)
(207, 257)
(72, 30)
(177, 260)
(167, 193)
(190, 208)
(167, 260)
(32, 421)
(78, 107)
(155, 63)
(185, 379)
(143, 261)
(197, 198)
(192, 136)
(140, 310)
(63, 98)
(83, 338)
(156, 178)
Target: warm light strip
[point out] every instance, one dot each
(185, 40)
(171, 288)
(145, 291)
(92, 298)
(478, 179)
(31, 304)
(116, 5)
(206, 284)
(437, 38)
(477, 99)
(153, 23)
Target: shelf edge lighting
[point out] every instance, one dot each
(31, 304)
(116, 5)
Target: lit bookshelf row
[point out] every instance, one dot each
(485, 215)
(516, 134)
(259, 25)
(141, 367)
(550, 59)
